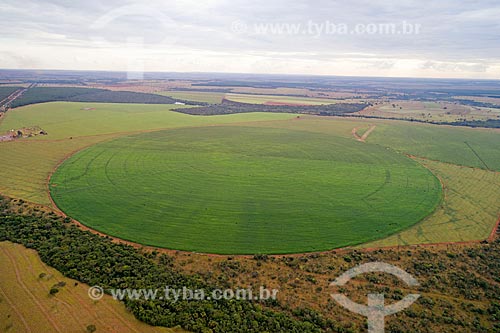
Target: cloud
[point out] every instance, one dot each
(455, 38)
(455, 67)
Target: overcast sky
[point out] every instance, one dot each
(445, 38)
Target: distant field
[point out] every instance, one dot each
(299, 92)
(244, 190)
(481, 99)
(333, 126)
(271, 91)
(263, 99)
(66, 119)
(196, 96)
(457, 145)
(26, 306)
(477, 148)
(431, 111)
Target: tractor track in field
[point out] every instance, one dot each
(365, 135)
(477, 155)
(83, 302)
(30, 267)
(29, 293)
(13, 306)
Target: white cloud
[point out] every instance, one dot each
(456, 39)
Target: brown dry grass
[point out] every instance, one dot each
(26, 306)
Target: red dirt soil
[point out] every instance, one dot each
(495, 231)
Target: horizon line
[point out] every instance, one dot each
(251, 73)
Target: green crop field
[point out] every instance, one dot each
(262, 99)
(477, 148)
(244, 190)
(473, 147)
(431, 111)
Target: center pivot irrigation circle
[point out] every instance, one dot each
(243, 190)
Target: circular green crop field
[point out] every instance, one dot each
(244, 190)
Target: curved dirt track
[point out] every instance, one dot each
(365, 135)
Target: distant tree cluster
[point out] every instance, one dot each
(230, 107)
(70, 94)
(478, 104)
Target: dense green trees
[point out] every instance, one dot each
(229, 107)
(90, 95)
